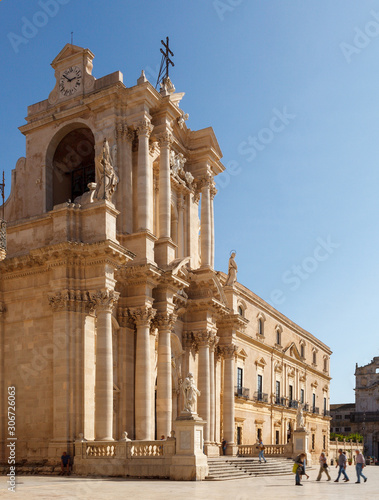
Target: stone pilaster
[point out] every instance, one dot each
(164, 323)
(228, 407)
(124, 192)
(144, 178)
(144, 420)
(104, 301)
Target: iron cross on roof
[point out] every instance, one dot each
(166, 61)
(2, 189)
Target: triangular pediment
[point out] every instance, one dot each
(70, 52)
(242, 354)
(292, 351)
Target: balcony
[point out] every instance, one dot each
(306, 407)
(280, 401)
(293, 404)
(241, 392)
(315, 410)
(326, 413)
(260, 396)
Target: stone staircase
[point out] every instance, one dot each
(224, 468)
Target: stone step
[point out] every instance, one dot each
(239, 468)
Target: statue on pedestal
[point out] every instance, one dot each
(232, 271)
(190, 393)
(299, 418)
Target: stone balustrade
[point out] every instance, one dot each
(272, 450)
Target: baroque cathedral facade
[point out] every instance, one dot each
(108, 292)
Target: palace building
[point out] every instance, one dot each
(108, 292)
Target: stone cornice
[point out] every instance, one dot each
(62, 254)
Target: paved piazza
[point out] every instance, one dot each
(48, 488)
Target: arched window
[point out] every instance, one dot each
(73, 165)
(240, 310)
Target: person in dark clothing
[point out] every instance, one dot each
(65, 463)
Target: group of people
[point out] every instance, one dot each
(300, 463)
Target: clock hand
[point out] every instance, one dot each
(64, 76)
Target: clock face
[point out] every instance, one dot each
(70, 81)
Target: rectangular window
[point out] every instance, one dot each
(347, 417)
(313, 401)
(259, 434)
(277, 438)
(239, 435)
(277, 392)
(325, 364)
(302, 351)
(324, 442)
(338, 417)
(313, 441)
(290, 393)
(239, 378)
(347, 429)
(278, 337)
(324, 406)
(260, 386)
(302, 396)
(337, 429)
(314, 357)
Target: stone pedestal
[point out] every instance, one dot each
(301, 444)
(211, 450)
(189, 462)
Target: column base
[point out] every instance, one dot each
(211, 450)
(231, 450)
(164, 251)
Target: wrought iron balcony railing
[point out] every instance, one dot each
(261, 396)
(293, 404)
(242, 392)
(280, 401)
(315, 410)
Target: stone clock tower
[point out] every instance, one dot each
(73, 73)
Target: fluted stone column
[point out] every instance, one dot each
(104, 302)
(206, 225)
(203, 340)
(144, 420)
(212, 410)
(144, 177)
(165, 141)
(165, 323)
(228, 408)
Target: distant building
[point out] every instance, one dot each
(363, 416)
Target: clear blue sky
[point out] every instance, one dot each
(291, 88)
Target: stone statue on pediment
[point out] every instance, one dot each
(232, 271)
(106, 175)
(190, 393)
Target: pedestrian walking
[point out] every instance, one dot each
(323, 467)
(359, 464)
(299, 468)
(342, 466)
(224, 446)
(261, 455)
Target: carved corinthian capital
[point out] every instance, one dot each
(165, 321)
(228, 351)
(165, 139)
(104, 300)
(203, 338)
(142, 315)
(144, 127)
